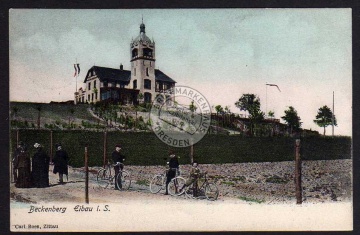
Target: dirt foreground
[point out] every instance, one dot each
(248, 201)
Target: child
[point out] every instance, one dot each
(195, 174)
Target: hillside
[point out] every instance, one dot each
(54, 114)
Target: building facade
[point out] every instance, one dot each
(123, 86)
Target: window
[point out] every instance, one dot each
(147, 71)
(135, 84)
(147, 52)
(105, 84)
(82, 99)
(89, 86)
(134, 52)
(147, 84)
(147, 97)
(96, 96)
(134, 71)
(88, 98)
(92, 97)
(150, 63)
(95, 84)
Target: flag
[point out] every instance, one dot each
(78, 66)
(273, 85)
(77, 70)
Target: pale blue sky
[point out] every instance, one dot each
(223, 53)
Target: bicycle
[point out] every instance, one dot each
(158, 183)
(207, 189)
(105, 177)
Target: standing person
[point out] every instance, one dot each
(14, 159)
(22, 164)
(117, 158)
(173, 168)
(40, 167)
(61, 160)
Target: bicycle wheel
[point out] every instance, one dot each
(156, 183)
(123, 180)
(189, 191)
(103, 179)
(211, 191)
(175, 187)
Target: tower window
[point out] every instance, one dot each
(147, 52)
(95, 84)
(147, 71)
(89, 86)
(147, 84)
(134, 52)
(135, 84)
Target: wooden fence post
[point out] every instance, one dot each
(86, 176)
(51, 145)
(104, 157)
(298, 172)
(192, 152)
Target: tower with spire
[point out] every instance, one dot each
(142, 54)
(118, 85)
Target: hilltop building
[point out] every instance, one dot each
(124, 86)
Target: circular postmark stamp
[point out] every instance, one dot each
(180, 116)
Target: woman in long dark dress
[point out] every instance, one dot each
(40, 168)
(60, 162)
(22, 164)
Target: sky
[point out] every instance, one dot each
(222, 53)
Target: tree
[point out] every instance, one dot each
(192, 107)
(15, 111)
(72, 111)
(39, 110)
(324, 117)
(292, 119)
(140, 97)
(218, 110)
(251, 104)
(271, 114)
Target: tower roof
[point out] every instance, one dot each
(142, 36)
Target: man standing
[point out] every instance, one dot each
(61, 160)
(173, 168)
(40, 167)
(117, 158)
(15, 157)
(22, 164)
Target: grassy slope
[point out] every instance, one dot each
(51, 112)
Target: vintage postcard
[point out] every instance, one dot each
(180, 120)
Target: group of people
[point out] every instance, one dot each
(34, 172)
(172, 171)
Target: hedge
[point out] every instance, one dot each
(141, 148)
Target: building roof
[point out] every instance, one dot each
(160, 76)
(110, 74)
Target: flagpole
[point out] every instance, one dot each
(77, 74)
(266, 100)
